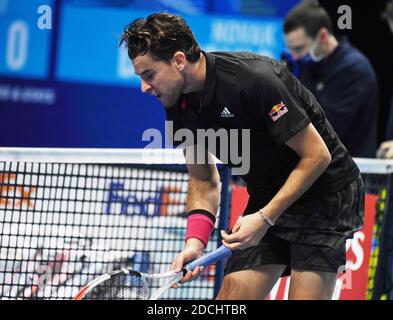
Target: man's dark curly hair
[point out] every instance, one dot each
(160, 35)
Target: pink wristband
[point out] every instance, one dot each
(199, 226)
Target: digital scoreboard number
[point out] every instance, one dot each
(25, 41)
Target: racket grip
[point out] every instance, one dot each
(212, 257)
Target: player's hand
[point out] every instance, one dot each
(385, 150)
(247, 232)
(192, 250)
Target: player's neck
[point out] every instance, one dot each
(195, 76)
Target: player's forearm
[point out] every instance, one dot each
(203, 195)
(299, 181)
(203, 198)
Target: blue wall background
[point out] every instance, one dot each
(72, 86)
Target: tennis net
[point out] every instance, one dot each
(70, 215)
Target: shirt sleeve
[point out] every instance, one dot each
(273, 101)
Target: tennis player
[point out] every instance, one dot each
(306, 193)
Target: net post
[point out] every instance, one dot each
(377, 176)
(384, 273)
(225, 173)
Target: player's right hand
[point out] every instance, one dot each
(192, 250)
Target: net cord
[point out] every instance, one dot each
(115, 156)
(137, 156)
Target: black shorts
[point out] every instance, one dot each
(273, 250)
(310, 235)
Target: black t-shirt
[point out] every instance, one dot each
(247, 91)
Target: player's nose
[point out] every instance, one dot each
(145, 87)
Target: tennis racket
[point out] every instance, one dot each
(127, 284)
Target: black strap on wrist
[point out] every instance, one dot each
(206, 213)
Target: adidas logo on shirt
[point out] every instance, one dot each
(226, 113)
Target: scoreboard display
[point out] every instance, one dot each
(25, 38)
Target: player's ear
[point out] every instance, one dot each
(180, 60)
(323, 35)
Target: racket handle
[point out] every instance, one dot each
(212, 257)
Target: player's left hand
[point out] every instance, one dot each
(247, 232)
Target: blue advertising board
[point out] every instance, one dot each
(98, 59)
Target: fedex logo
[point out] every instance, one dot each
(12, 195)
(131, 203)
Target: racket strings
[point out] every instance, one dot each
(120, 286)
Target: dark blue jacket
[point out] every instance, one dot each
(346, 86)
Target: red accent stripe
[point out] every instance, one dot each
(81, 293)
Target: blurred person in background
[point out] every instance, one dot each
(386, 148)
(339, 75)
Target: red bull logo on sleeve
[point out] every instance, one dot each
(278, 111)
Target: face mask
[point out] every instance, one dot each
(312, 54)
(311, 60)
(295, 65)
